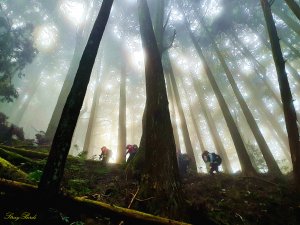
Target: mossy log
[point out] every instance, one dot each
(9, 171)
(24, 152)
(23, 162)
(81, 205)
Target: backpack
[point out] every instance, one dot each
(217, 159)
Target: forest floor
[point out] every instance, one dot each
(226, 199)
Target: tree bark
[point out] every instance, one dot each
(159, 32)
(285, 91)
(95, 104)
(160, 175)
(53, 171)
(121, 155)
(173, 110)
(294, 7)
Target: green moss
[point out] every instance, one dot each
(78, 187)
(25, 152)
(25, 163)
(9, 171)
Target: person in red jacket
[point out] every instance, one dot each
(131, 150)
(105, 154)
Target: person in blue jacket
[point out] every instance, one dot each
(214, 161)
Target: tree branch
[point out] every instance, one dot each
(167, 21)
(171, 42)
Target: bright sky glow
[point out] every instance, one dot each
(212, 9)
(185, 62)
(137, 59)
(73, 11)
(45, 37)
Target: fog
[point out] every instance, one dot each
(60, 30)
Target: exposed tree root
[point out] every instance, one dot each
(81, 205)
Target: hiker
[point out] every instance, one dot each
(131, 150)
(105, 154)
(183, 162)
(214, 161)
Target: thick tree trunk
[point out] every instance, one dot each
(159, 31)
(160, 175)
(285, 91)
(184, 128)
(53, 171)
(294, 7)
(121, 154)
(244, 158)
(265, 150)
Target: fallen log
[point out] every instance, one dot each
(81, 205)
(9, 171)
(25, 152)
(18, 160)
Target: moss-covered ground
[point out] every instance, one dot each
(226, 199)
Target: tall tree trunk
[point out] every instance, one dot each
(173, 110)
(160, 176)
(159, 34)
(121, 154)
(95, 104)
(265, 150)
(211, 126)
(244, 158)
(258, 67)
(184, 128)
(62, 98)
(20, 112)
(287, 20)
(198, 133)
(285, 91)
(53, 171)
(196, 127)
(159, 31)
(294, 7)
(293, 72)
(291, 47)
(267, 115)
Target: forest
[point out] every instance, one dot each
(149, 112)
